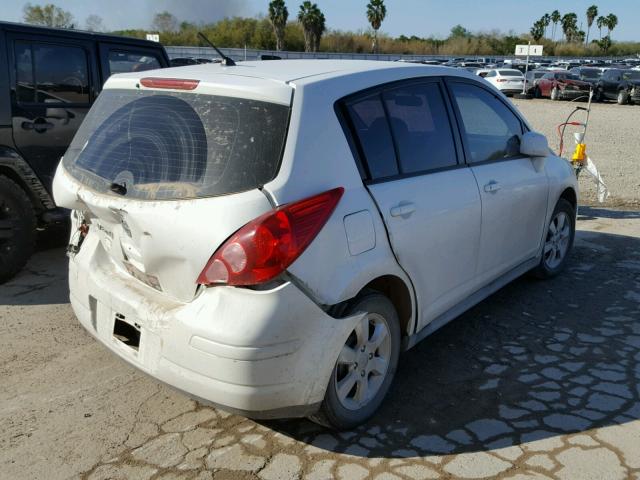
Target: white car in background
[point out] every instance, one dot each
(507, 80)
(269, 236)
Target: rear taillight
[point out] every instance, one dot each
(264, 248)
(171, 83)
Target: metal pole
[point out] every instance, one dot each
(526, 69)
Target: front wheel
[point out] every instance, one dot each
(558, 241)
(537, 93)
(623, 97)
(365, 366)
(555, 93)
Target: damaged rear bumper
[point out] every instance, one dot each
(264, 354)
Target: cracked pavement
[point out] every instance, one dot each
(541, 380)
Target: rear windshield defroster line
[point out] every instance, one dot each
(163, 146)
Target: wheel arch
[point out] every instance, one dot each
(569, 194)
(13, 166)
(400, 294)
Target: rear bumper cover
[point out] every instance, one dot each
(264, 354)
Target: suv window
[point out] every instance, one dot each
(492, 131)
(57, 74)
(121, 61)
(420, 126)
(372, 129)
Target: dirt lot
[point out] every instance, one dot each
(612, 143)
(541, 380)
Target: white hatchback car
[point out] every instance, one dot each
(507, 80)
(269, 236)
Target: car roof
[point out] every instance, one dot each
(286, 71)
(80, 34)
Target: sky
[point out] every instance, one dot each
(409, 17)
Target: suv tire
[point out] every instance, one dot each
(342, 410)
(623, 97)
(17, 228)
(559, 237)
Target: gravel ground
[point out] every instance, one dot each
(613, 141)
(539, 381)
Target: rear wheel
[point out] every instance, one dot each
(555, 93)
(17, 228)
(365, 366)
(558, 241)
(623, 97)
(537, 93)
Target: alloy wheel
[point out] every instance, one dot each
(557, 242)
(363, 362)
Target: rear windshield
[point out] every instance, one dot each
(511, 73)
(155, 145)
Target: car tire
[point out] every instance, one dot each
(598, 96)
(558, 242)
(623, 97)
(537, 93)
(17, 228)
(341, 409)
(555, 93)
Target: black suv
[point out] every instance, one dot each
(620, 85)
(48, 80)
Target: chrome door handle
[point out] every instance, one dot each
(402, 210)
(492, 187)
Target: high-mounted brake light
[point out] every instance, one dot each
(265, 247)
(172, 83)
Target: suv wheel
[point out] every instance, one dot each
(17, 228)
(558, 241)
(365, 367)
(555, 93)
(623, 97)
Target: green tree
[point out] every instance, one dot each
(612, 22)
(376, 12)
(313, 25)
(601, 22)
(555, 19)
(570, 26)
(164, 22)
(546, 20)
(458, 31)
(537, 31)
(604, 44)
(278, 15)
(48, 15)
(592, 13)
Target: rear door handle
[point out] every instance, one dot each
(402, 210)
(492, 187)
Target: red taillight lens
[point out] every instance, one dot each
(172, 83)
(266, 246)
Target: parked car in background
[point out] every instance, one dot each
(531, 78)
(508, 81)
(347, 223)
(561, 86)
(590, 75)
(49, 79)
(623, 86)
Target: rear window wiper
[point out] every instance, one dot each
(119, 188)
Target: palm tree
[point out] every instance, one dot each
(612, 21)
(569, 26)
(592, 13)
(376, 11)
(601, 22)
(546, 20)
(278, 15)
(537, 31)
(555, 18)
(313, 25)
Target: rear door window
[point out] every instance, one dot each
(123, 61)
(491, 130)
(374, 135)
(161, 146)
(420, 126)
(57, 74)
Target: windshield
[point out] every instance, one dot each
(568, 76)
(510, 73)
(591, 73)
(631, 75)
(161, 146)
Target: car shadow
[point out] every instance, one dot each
(43, 280)
(592, 213)
(534, 361)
